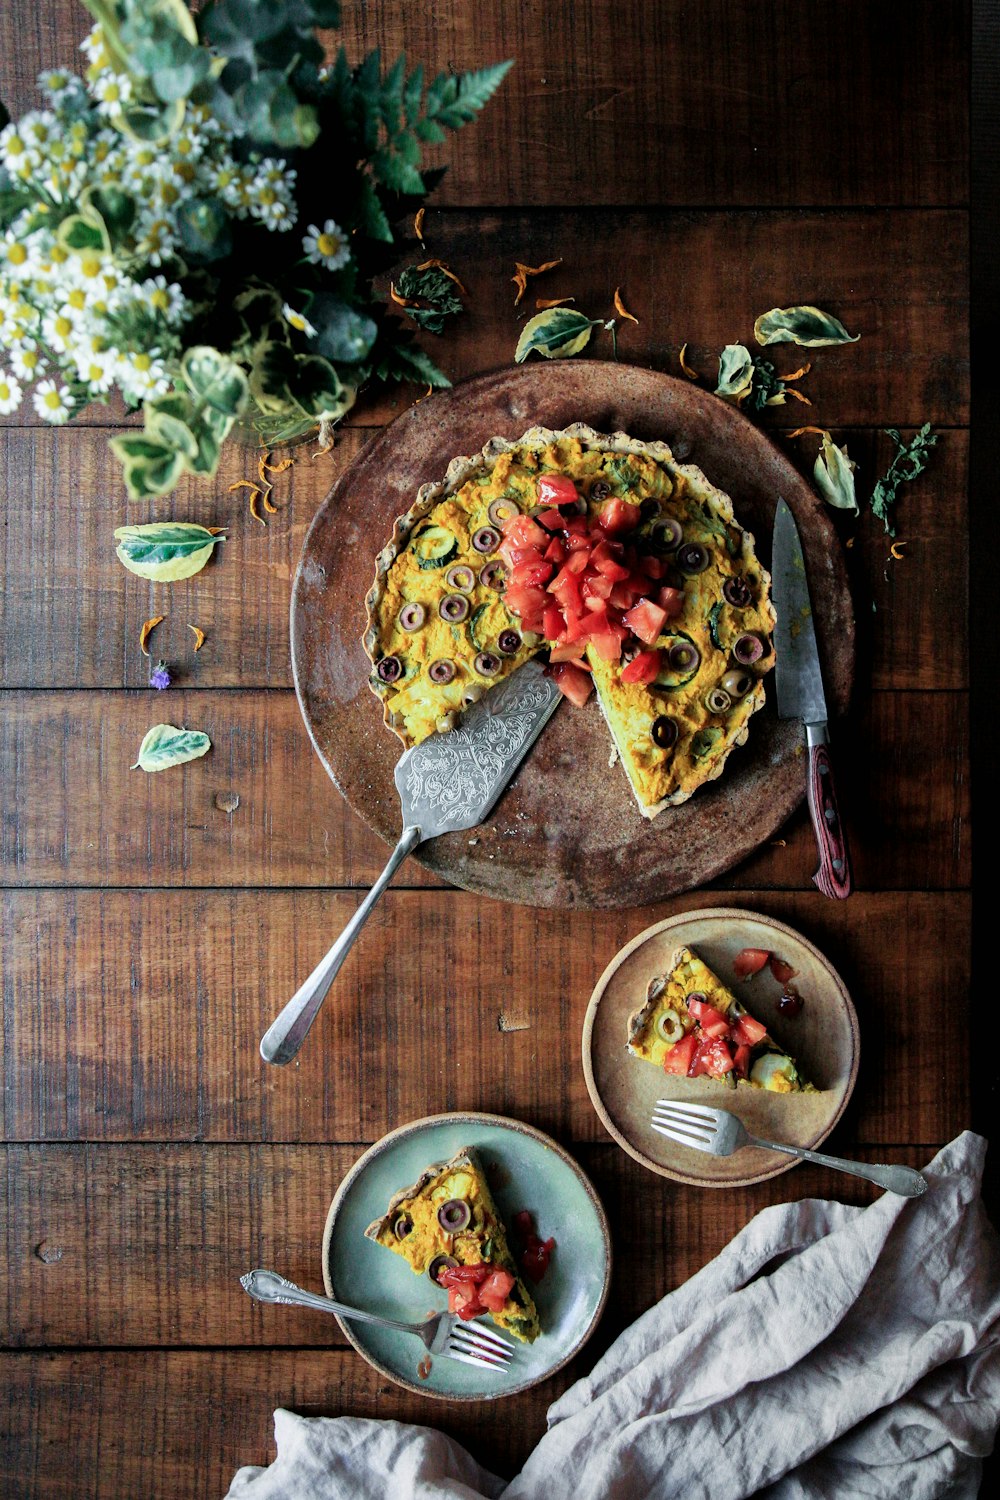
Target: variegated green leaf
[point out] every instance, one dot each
(557, 333)
(834, 475)
(166, 746)
(735, 373)
(808, 326)
(165, 550)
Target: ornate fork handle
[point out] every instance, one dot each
(268, 1286)
(902, 1180)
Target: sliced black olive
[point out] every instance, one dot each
(600, 490)
(455, 1215)
(718, 701)
(649, 508)
(502, 510)
(683, 656)
(492, 575)
(402, 1226)
(692, 558)
(698, 995)
(666, 534)
(454, 607)
(441, 671)
(486, 539)
(461, 577)
(412, 616)
(737, 592)
(508, 642)
(664, 732)
(389, 669)
(438, 1264)
(748, 648)
(737, 684)
(486, 664)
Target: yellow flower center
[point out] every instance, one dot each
(17, 255)
(169, 193)
(161, 300)
(15, 146)
(142, 362)
(90, 266)
(52, 400)
(94, 372)
(4, 391)
(77, 298)
(63, 326)
(297, 321)
(29, 358)
(328, 244)
(268, 195)
(59, 255)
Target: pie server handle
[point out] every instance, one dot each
(283, 1038)
(834, 874)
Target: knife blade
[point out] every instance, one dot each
(448, 782)
(799, 683)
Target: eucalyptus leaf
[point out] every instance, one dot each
(808, 326)
(165, 550)
(735, 373)
(834, 475)
(556, 333)
(165, 745)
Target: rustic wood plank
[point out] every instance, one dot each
(143, 1245)
(659, 102)
(70, 614)
(137, 1015)
(76, 815)
(899, 279)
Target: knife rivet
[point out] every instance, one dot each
(838, 865)
(830, 815)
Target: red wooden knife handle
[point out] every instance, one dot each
(834, 874)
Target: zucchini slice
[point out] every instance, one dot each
(434, 546)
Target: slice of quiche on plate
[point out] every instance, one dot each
(628, 567)
(446, 1226)
(691, 1025)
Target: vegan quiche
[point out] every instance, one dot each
(693, 1026)
(446, 1226)
(626, 566)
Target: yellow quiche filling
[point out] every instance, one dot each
(693, 1026)
(471, 585)
(448, 1219)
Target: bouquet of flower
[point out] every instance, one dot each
(197, 223)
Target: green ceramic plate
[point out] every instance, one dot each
(526, 1169)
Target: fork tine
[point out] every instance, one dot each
(464, 1341)
(682, 1138)
(450, 1352)
(477, 1333)
(700, 1112)
(685, 1122)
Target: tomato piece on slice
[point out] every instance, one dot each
(622, 596)
(741, 1061)
(568, 651)
(646, 620)
(618, 516)
(526, 602)
(535, 1258)
(608, 645)
(679, 1057)
(748, 1032)
(550, 519)
(652, 567)
(496, 1289)
(535, 573)
(607, 560)
(712, 1057)
(557, 489)
(596, 586)
(711, 1021)
(555, 552)
(522, 531)
(672, 601)
(642, 668)
(749, 961)
(464, 1275)
(782, 972)
(553, 623)
(571, 682)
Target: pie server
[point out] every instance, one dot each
(446, 783)
(799, 681)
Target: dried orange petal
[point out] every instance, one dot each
(254, 497)
(399, 299)
(691, 373)
(426, 265)
(520, 277)
(620, 307)
(418, 224)
(896, 550)
(147, 629)
(541, 303)
(796, 374)
(819, 431)
(791, 391)
(199, 637)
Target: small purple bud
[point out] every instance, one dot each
(161, 677)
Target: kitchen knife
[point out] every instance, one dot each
(446, 783)
(799, 681)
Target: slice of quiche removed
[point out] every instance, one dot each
(692, 1025)
(445, 1225)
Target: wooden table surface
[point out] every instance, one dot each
(714, 159)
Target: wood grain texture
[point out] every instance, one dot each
(898, 279)
(659, 101)
(70, 614)
(76, 814)
(136, 1016)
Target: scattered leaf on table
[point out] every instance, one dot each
(833, 472)
(439, 265)
(620, 307)
(148, 626)
(688, 370)
(808, 326)
(911, 459)
(735, 373)
(165, 745)
(557, 334)
(166, 550)
(199, 637)
(520, 277)
(427, 294)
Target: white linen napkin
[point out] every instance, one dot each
(827, 1352)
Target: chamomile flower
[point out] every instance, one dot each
(16, 259)
(27, 360)
(327, 246)
(157, 241)
(52, 402)
(96, 371)
(164, 297)
(10, 393)
(112, 91)
(298, 321)
(141, 376)
(58, 330)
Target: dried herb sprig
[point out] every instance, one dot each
(911, 459)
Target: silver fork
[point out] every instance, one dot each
(721, 1133)
(443, 1333)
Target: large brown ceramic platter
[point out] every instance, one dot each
(567, 832)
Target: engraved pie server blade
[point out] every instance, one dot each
(446, 783)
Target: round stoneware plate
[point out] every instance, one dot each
(823, 1038)
(525, 1170)
(567, 832)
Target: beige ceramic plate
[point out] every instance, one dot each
(823, 1038)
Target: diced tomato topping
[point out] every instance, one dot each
(596, 586)
(496, 1289)
(679, 1057)
(457, 1275)
(522, 531)
(569, 651)
(749, 961)
(782, 972)
(622, 597)
(618, 515)
(672, 601)
(535, 573)
(711, 1021)
(555, 552)
(535, 1259)
(550, 519)
(527, 603)
(557, 489)
(642, 668)
(741, 1062)
(712, 1057)
(652, 567)
(646, 620)
(552, 622)
(748, 1032)
(606, 558)
(571, 682)
(609, 645)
